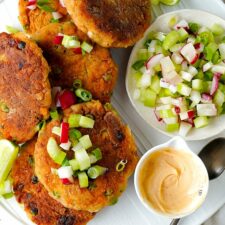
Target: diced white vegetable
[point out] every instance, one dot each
(184, 66)
(173, 78)
(171, 120)
(177, 58)
(184, 128)
(65, 172)
(189, 52)
(65, 146)
(206, 110)
(177, 47)
(163, 83)
(182, 23)
(152, 46)
(173, 88)
(56, 15)
(222, 50)
(160, 36)
(218, 69)
(187, 115)
(207, 66)
(186, 76)
(145, 81)
(184, 89)
(203, 29)
(195, 97)
(77, 147)
(163, 107)
(137, 94)
(192, 70)
(191, 39)
(201, 48)
(166, 65)
(166, 100)
(154, 61)
(62, 3)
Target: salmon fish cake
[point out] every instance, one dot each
(25, 94)
(118, 23)
(116, 143)
(96, 69)
(39, 206)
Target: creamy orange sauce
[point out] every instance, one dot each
(171, 181)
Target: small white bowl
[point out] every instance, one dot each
(216, 125)
(179, 144)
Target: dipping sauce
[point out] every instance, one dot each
(172, 181)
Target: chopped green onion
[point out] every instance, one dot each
(55, 152)
(74, 164)
(77, 84)
(83, 159)
(97, 153)
(86, 47)
(40, 126)
(83, 94)
(56, 130)
(172, 21)
(52, 20)
(74, 120)
(74, 135)
(43, 5)
(86, 122)
(54, 114)
(8, 195)
(4, 107)
(121, 165)
(85, 142)
(12, 30)
(96, 171)
(83, 180)
(93, 159)
(65, 162)
(5, 187)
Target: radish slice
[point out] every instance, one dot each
(184, 128)
(164, 84)
(186, 76)
(199, 47)
(206, 98)
(66, 181)
(64, 137)
(66, 146)
(177, 109)
(195, 97)
(192, 70)
(166, 65)
(207, 66)
(173, 78)
(215, 83)
(62, 3)
(189, 53)
(77, 50)
(181, 24)
(154, 60)
(163, 107)
(56, 15)
(184, 65)
(177, 58)
(67, 98)
(32, 7)
(58, 39)
(206, 110)
(187, 115)
(218, 69)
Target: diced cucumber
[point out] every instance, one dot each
(168, 113)
(210, 50)
(183, 89)
(183, 34)
(197, 84)
(217, 29)
(148, 97)
(143, 54)
(8, 154)
(201, 121)
(74, 164)
(176, 47)
(138, 64)
(172, 127)
(171, 39)
(155, 85)
(83, 180)
(172, 21)
(194, 27)
(219, 98)
(74, 120)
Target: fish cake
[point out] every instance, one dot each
(34, 20)
(117, 23)
(96, 70)
(25, 93)
(116, 143)
(39, 206)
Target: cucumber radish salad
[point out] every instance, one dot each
(181, 74)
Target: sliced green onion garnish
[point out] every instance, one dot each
(12, 30)
(44, 5)
(5, 187)
(97, 153)
(85, 141)
(121, 165)
(56, 130)
(55, 152)
(74, 135)
(96, 171)
(83, 159)
(74, 120)
(83, 179)
(77, 84)
(86, 122)
(74, 164)
(83, 94)
(4, 107)
(54, 114)
(93, 159)
(65, 162)
(86, 47)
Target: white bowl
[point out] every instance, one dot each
(179, 144)
(216, 125)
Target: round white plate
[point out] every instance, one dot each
(216, 125)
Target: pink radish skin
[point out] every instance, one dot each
(154, 60)
(215, 83)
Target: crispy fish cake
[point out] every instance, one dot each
(40, 207)
(117, 23)
(116, 143)
(33, 20)
(96, 70)
(25, 94)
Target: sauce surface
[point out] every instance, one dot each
(172, 181)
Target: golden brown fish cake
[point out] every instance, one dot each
(117, 23)
(116, 143)
(25, 93)
(96, 70)
(39, 206)
(33, 20)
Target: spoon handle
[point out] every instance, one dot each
(174, 221)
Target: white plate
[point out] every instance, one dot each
(216, 125)
(128, 211)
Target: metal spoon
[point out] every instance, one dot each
(213, 156)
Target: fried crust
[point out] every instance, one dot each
(32, 194)
(96, 70)
(116, 142)
(111, 23)
(25, 93)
